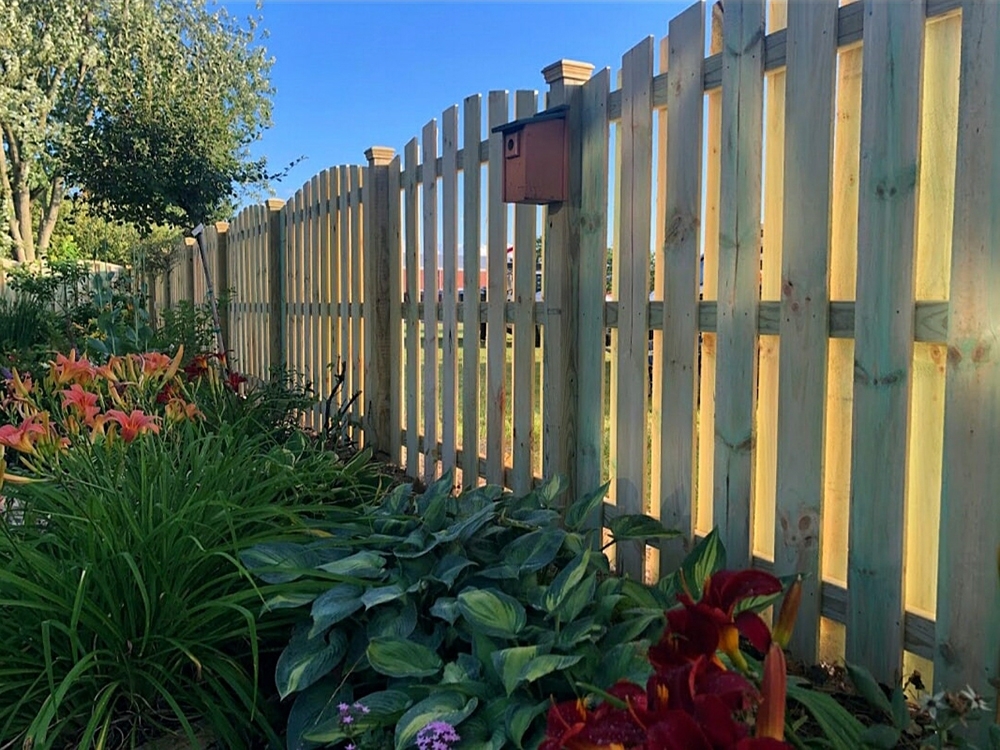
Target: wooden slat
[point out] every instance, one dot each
(344, 363)
(681, 250)
(808, 152)
(429, 206)
(496, 334)
(523, 381)
(308, 286)
(591, 271)
(336, 249)
(323, 291)
(293, 272)
(471, 214)
(393, 230)
(449, 297)
(317, 297)
(357, 285)
(411, 383)
(633, 292)
(968, 612)
(739, 259)
(613, 374)
(883, 340)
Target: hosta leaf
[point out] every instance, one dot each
(639, 526)
(398, 657)
(519, 717)
(394, 621)
(492, 612)
(585, 510)
(531, 552)
(449, 567)
(375, 596)
(444, 705)
(568, 578)
(837, 724)
(314, 706)
(364, 564)
(708, 557)
(305, 660)
(465, 528)
(546, 664)
(288, 600)
(384, 707)
(626, 661)
(579, 631)
(330, 607)
(579, 597)
(510, 661)
(279, 562)
(447, 609)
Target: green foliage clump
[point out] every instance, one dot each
(124, 610)
(474, 609)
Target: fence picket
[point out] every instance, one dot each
(449, 294)
(429, 222)
(412, 296)
(471, 196)
(496, 296)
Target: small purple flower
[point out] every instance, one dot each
(361, 707)
(347, 719)
(350, 746)
(438, 735)
(343, 708)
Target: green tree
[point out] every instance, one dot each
(147, 107)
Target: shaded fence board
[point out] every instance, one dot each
(883, 348)
(496, 333)
(809, 99)
(471, 196)
(429, 206)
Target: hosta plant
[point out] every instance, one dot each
(474, 610)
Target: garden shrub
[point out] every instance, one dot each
(474, 610)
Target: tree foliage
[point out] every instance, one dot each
(147, 107)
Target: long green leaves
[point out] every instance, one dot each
(123, 602)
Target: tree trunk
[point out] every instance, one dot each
(48, 221)
(14, 184)
(22, 209)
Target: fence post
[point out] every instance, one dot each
(189, 260)
(276, 282)
(222, 280)
(561, 287)
(381, 251)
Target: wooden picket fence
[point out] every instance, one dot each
(827, 396)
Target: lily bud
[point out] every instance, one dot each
(771, 714)
(782, 632)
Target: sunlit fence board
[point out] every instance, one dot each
(471, 235)
(449, 294)
(496, 295)
(429, 223)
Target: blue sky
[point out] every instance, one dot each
(350, 75)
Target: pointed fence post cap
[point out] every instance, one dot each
(379, 156)
(570, 71)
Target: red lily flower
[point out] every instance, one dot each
(81, 401)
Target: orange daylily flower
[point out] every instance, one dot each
(72, 370)
(81, 401)
(23, 438)
(178, 410)
(134, 424)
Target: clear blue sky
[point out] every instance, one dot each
(350, 75)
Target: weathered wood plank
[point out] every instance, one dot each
(968, 611)
(635, 189)
(471, 212)
(594, 133)
(523, 381)
(411, 383)
(323, 293)
(739, 259)
(805, 327)
(496, 294)
(449, 294)
(883, 339)
(429, 207)
(680, 269)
